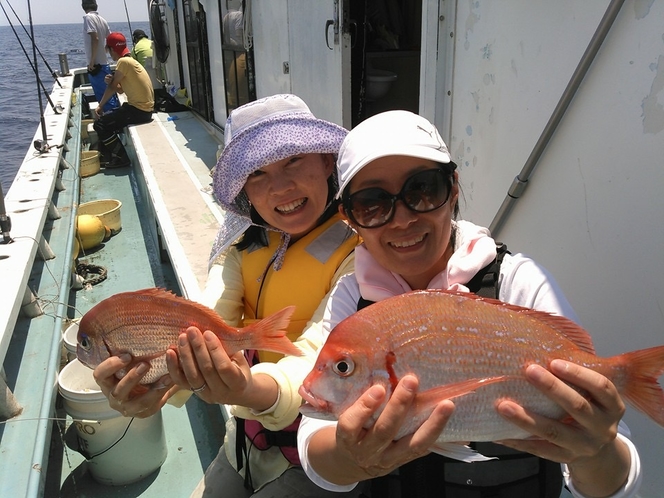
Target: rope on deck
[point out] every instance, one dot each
(85, 270)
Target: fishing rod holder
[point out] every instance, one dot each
(5, 224)
(42, 146)
(64, 64)
(5, 229)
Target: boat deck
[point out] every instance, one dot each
(176, 152)
(172, 159)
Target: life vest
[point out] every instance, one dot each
(513, 473)
(304, 279)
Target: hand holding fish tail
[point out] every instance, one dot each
(127, 395)
(355, 452)
(203, 361)
(586, 440)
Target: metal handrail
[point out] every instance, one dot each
(43, 436)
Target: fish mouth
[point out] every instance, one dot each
(81, 356)
(311, 402)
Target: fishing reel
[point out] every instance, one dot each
(42, 146)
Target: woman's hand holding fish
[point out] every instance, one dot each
(586, 440)
(356, 453)
(203, 361)
(127, 395)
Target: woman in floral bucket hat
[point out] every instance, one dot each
(282, 243)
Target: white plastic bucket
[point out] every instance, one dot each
(69, 339)
(119, 450)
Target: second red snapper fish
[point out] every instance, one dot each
(469, 349)
(146, 323)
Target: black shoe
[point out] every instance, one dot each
(118, 162)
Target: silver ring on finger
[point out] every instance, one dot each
(199, 389)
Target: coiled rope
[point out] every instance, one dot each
(91, 274)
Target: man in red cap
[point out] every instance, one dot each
(131, 79)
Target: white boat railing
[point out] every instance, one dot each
(29, 204)
(42, 204)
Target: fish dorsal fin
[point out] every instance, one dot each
(563, 325)
(156, 292)
(573, 331)
(160, 293)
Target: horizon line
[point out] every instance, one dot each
(69, 22)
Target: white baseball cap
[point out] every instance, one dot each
(391, 133)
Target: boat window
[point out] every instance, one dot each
(237, 54)
(195, 28)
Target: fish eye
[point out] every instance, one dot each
(344, 367)
(84, 342)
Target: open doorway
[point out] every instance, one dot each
(385, 56)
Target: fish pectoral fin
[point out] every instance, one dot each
(432, 396)
(138, 390)
(460, 452)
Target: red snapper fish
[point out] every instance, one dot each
(469, 349)
(146, 323)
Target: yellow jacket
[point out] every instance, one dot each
(311, 267)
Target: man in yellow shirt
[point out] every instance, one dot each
(130, 78)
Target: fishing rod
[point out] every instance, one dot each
(57, 109)
(53, 73)
(42, 145)
(128, 21)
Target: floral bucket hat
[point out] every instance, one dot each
(257, 134)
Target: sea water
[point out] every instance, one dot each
(19, 101)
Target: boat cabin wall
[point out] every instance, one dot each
(171, 66)
(328, 56)
(592, 210)
(203, 76)
(491, 75)
(296, 50)
(213, 15)
(271, 47)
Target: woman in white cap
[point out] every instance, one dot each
(400, 191)
(282, 243)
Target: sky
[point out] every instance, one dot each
(70, 11)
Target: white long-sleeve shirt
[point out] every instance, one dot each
(521, 282)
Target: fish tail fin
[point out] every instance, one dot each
(642, 390)
(460, 452)
(270, 333)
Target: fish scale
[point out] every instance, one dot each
(469, 349)
(147, 322)
(470, 412)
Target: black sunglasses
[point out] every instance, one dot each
(422, 192)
